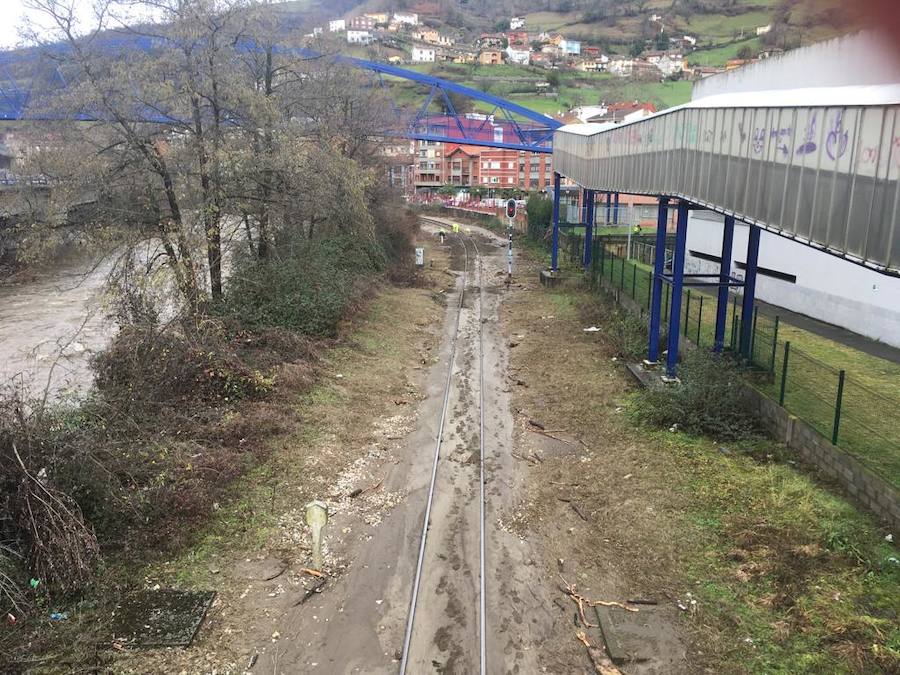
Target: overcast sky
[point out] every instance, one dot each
(13, 15)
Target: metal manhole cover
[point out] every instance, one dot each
(161, 618)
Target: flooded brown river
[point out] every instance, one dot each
(51, 321)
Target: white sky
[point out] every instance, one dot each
(13, 15)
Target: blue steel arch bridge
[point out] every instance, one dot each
(28, 76)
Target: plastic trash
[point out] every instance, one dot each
(59, 616)
(592, 329)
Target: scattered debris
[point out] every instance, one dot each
(537, 424)
(642, 601)
(311, 591)
(577, 509)
(59, 616)
(599, 658)
(889, 537)
(312, 573)
(592, 329)
(161, 618)
(581, 601)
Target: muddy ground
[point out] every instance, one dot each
(567, 503)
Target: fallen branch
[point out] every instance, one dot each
(598, 657)
(580, 600)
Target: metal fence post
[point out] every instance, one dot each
(734, 322)
(837, 408)
(633, 281)
(784, 372)
(699, 319)
(774, 345)
(622, 275)
(667, 302)
(687, 312)
(753, 337)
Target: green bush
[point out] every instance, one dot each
(708, 401)
(308, 289)
(540, 212)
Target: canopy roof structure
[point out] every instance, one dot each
(818, 165)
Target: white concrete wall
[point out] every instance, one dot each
(827, 288)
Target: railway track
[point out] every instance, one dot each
(472, 267)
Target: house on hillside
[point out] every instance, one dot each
(337, 25)
(406, 18)
(670, 64)
(517, 38)
(623, 111)
(362, 22)
(380, 18)
(570, 47)
(359, 37)
(621, 66)
(762, 30)
(464, 56)
(423, 54)
(519, 56)
(490, 40)
(490, 57)
(517, 23)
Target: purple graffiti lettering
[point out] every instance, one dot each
(741, 131)
(808, 145)
(836, 144)
(780, 144)
(759, 139)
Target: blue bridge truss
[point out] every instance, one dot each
(27, 76)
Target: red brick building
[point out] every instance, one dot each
(439, 164)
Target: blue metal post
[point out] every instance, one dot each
(749, 291)
(608, 207)
(616, 210)
(588, 228)
(724, 273)
(659, 261)
(554, 250)
(677, 285)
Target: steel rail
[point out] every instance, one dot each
(410, 620)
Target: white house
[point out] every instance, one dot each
(517, 23)
(669, 64)
(585, 112)
(762, 30)
(317, 31)
(406, 17)
(619, 65)
(802, 279)
(570, 47)
(520, 56)
(359, 37)
(336, 25)
(423, 55)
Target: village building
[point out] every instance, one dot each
(490, 57)
(336, 25)
(423, 54)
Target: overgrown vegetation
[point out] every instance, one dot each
(241, 245)
(707, 401)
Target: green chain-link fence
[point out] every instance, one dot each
(854, 416)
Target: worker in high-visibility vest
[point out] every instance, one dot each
(456, 228)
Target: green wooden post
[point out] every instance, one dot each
(687, 312)
(667, 303)
(837, 408)
(774, 345)
(699, 319)
(784, 372)
(753, 336)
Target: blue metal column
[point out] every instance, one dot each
(659, 262)
(616, 210)
(677, 285)
(724, 274)
(608, 207)
(554, 250)
(749, 291)
(588, 228)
